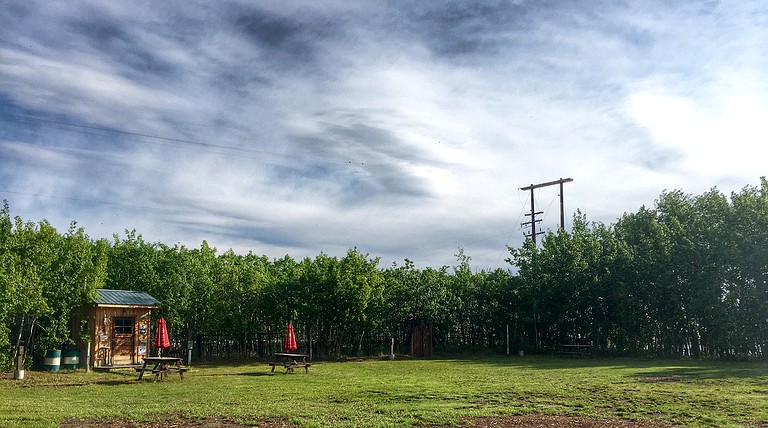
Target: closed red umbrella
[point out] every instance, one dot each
(290, 339)
(162, 341)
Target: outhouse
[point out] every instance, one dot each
(119, 325)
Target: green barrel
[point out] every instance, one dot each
(70, 359)
(52, 360)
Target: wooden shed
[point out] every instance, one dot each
(119, 324)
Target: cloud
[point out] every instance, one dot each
(465, 30)
(404, 129)
(712, 141)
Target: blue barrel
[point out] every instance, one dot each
(52, 360)
(70, 359)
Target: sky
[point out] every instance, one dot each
(402, 129)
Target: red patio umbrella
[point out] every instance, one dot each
(162, 341)
(290, 339)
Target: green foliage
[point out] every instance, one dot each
(677, 279)
(45, 278)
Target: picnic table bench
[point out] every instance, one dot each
(289, 362)
(574, 350)
(161, 367)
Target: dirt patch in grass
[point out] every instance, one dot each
(546, 421)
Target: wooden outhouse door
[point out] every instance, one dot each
(123, 344)
(421, 341)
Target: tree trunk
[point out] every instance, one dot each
(18, 338)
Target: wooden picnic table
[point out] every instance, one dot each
(574, 350)
(290, 362)
(162, 366)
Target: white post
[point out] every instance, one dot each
(88, 357)
(19, 373)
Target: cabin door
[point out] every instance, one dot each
(123, 341)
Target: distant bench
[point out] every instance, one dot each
(574, 350)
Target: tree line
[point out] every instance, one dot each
(686, 277)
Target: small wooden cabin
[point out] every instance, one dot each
(119, 324)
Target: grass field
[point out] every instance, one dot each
(380, 393)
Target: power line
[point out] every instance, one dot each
(88, 129)
(101, 202)
(221, 149)
(547, 208)
(509, 238)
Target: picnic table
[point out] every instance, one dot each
(161, 367)
(574, 350)
(290, 362)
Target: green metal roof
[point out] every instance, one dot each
(124, 297)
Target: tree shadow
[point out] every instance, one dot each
(255, 374)
(669, 370)
(707, 372)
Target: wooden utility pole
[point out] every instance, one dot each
(533, 212)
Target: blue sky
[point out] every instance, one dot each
(404, 129)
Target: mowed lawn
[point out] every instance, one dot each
(405, 392)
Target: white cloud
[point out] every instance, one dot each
(380, 126)
(724, 139)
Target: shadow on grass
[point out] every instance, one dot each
(644, 368)
(716, 372)
(257, 374)
(66, 380)
(253, 374)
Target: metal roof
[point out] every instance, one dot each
(124, 297)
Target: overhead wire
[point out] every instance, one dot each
(517, 222)
(547, 209)
(171, 141)
(102, 202)
(219, 149)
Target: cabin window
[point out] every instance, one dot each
(123, 326)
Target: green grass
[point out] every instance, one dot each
(400, 393)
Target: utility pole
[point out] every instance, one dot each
(534, 213)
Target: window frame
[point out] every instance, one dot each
(125, 325)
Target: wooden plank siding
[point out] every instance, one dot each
(110, 347)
